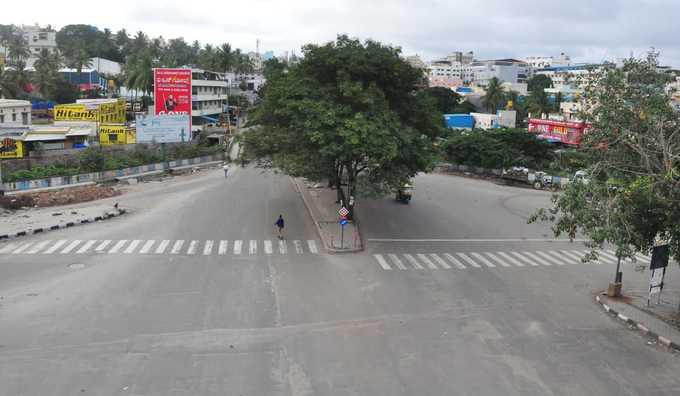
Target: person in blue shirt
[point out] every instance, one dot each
(279, 223)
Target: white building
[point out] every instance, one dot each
(444, 70)
(105, 66)
(209, 94)
(541, 62)
(416, 61)
(503, 118)
(37, 39)
(573, 76)
(14, 113)
(505, 70)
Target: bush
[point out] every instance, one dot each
(16, 202)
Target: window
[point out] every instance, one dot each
(24, 118)
(14, 117)
(2, 118)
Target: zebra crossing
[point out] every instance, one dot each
(153, 247)
(482, 260)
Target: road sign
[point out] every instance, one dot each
(343, 222)
(343, 212)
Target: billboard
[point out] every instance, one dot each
(10, 148)
(104, 113)
(116, 134)
(565, 132)
(163, 128)
(172, 91)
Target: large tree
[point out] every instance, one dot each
(633, 194)
(539, 82)
(447, 100)
(348, 112)
(47, 72)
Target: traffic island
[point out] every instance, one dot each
(660, 320)
(320, 202)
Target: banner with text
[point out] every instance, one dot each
(10, 148)
(104, 113)
(172, 92)
(163, 128)
(116, 134)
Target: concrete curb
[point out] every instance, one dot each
(34, 231)
(639, 326)
(329, 249)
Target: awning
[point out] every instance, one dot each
(44, 137)
(79, 132)
(210, 119)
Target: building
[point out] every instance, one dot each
(37, 38)
(459, 121)
(542, 62)
(446, 72)
(86, 80)
(209, 94)
(14, 113)
(105, 66)
(502, 119)
(555, 131)
(416, 61)
(505, 70)
(572, 76)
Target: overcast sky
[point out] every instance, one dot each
(588, 30)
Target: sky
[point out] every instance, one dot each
(587, 30)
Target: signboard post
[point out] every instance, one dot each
(343, 212)
(172, 92)
(660, 257)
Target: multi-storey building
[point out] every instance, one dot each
(541, 62)
(209, 94)
(37, 39)
(505, 70)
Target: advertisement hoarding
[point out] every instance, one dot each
(104, 113)
(163, 128)
(10, 148)
(565, 132)
(116, 134)
(172, 92)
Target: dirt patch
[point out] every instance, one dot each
(68, 196)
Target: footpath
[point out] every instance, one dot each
(320, 202)
(660, 320)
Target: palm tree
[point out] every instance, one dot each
(8, 87)
(226, 58)
(18, 49)
(139, 73)
(494, 95)
(46, 72)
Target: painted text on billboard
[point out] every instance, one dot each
(172, 91)
(163, 128)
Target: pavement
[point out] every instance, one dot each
(320, 201)
(130, 317)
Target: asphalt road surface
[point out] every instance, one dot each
(193, 294)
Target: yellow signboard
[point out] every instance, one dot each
(104, 113)
(10, 148)
(116, 134)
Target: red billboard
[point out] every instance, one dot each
(172, 91)
(564, 132)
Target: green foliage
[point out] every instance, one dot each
(64, 91)
(539, 82)
(493, 98)
(497, 149)
(633, 153)
(348, 111)
(446, 99)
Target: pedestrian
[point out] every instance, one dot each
(226, 170)
(279, 223)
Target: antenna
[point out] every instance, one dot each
(257, 46)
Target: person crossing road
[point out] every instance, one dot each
(280, 224)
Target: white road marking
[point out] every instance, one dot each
(468, 260)
(102, 246)
(642, 258)
(413, 261)
(70, 247)
(87, 246)
(268, 247)
(22, 248)
(498, 260)
(564, 259)
(8, 248)
(440, 261)
(55, 247)
(454, 261)
(192, 247)
(132, 246)
(252, 248)
(397, 261)
(537, 259)
(312, 246)
(511, 259)
(298, 246)
(223, 247)
(162, 246)
(526, 260)
(117, 246)
(550, 258)
(427, 261)
(609, 256)
(283, 247)
(382, 262)
(207, 249)
(39, 246)
(483, 260)
(601, 259)
(177, 247)
(573, 255)
(147, 247)
(237, 246)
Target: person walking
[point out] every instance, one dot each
(280, 223)
(226, 170)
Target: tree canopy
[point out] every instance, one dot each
(632, 198)
(349, 112)
(446, 99)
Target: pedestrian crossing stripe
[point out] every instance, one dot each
(447, 261)
(159, 247)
